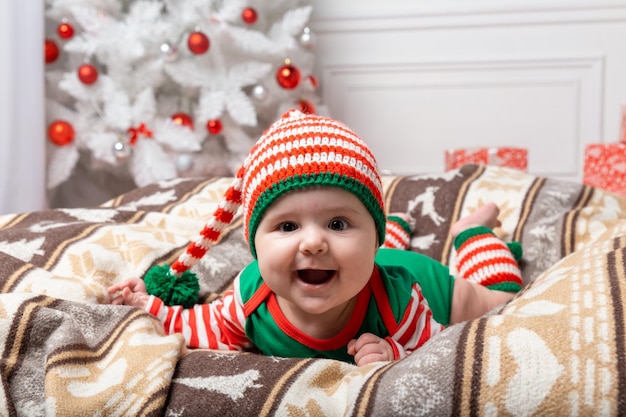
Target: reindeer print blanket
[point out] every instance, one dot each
(558, 348)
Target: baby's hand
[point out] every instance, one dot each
(370, 348)
(131, 292)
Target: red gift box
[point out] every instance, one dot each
(505, 157)
(605, 166)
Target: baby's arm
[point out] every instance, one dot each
(131, 292)
(215, 325)
(219, 324)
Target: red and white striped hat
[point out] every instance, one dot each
(297, 151)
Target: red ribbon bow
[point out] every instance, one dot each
(136, 131)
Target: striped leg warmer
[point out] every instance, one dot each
(484, 259)
(397, 233)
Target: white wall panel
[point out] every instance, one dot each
(412, 114)
(415, 78)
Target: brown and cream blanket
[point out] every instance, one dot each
(559, 348)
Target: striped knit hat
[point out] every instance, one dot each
(297, 151)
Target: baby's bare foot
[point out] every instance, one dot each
(486, 215)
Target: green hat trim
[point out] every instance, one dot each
(326, 179)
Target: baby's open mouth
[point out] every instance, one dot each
(315, 276)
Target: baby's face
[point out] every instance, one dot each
(315, 249)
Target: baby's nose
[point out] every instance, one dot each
(313, 241)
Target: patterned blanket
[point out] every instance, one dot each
(558, 348)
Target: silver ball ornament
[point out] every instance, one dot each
(121, 150)
(307, 37)
(259, 92)
(168, 51)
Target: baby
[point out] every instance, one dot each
(320, 285)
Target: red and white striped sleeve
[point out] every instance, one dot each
(416, 327)
(217, 325)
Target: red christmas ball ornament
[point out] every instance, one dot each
(198, 43)
(249, 15)
(288, 76)
(214, 126)
(51, 51)
(306, 107)
(87, 74)
(183, 119)
(65, 30)
(61, 133)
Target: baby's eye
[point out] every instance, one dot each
(338, 224)
(287, 227)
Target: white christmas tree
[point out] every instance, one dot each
(162, 89)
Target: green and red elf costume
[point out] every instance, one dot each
(407, 299)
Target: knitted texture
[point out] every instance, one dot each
(172, 290)
(484, 259)
(297, 151)
(397, 233)
(300, 151)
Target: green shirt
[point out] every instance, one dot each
(380, 305)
